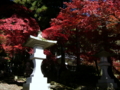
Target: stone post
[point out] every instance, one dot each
(105, 82)
(36, 81)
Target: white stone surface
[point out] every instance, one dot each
(38, 53)
(36, 81)
(35, 86)
(43, 43)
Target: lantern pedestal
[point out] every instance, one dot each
(36, 81)
(105, 82)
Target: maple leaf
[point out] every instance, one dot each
(16, 28)
(86, 25)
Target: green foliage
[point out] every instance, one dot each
(43, 10)
(36, 6)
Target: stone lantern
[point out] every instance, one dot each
(105, 82)
(36, 81)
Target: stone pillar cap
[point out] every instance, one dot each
(39, 41)
(103, 53)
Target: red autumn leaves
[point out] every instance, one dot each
(16, 27)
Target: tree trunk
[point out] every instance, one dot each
(62, 56)
(96, 64)
(78, 49)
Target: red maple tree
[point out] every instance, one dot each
(16, 25)
(86, 26)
